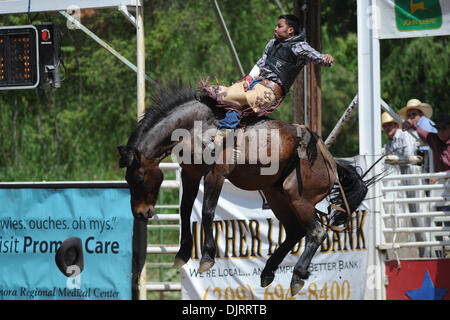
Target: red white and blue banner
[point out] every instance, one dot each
(246, 235)
(418, 280)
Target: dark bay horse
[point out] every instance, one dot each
(300, 173)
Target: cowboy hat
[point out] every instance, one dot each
(425, 108)
(386, 117)
(69, 257)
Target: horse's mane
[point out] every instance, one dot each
(163, 102)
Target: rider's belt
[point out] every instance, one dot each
(275, 87)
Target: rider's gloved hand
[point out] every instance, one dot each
(247, 80)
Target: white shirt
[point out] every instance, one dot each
(402, 144)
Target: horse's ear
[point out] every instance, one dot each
(126, 156)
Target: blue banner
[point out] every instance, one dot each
(35, 222)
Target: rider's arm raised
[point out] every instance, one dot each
(304, 50)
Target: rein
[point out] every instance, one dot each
(333, 206)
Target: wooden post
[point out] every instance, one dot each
(298, 105)
(313, 34)
(312, 26)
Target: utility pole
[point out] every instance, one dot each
(309, 97)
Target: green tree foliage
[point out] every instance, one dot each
(71, 133)
(339, 87)
(416, 68)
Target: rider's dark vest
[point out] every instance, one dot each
(283, 62)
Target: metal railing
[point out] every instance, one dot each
(413, 208)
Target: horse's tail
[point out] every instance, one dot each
(348, 193)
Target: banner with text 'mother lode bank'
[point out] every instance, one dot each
(35, 222)
(246, 235)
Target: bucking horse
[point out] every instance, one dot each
(289, 163)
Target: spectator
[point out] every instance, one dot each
(439, 142)
(418, 113)
(440, 146)
(403, 145)
(400, 143)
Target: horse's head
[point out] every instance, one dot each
(144, 178)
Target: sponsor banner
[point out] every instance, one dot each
(246, 235)
(418, 280)
(412, 18)
(35, 222)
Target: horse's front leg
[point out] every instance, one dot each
(190, 182)
(213, 185)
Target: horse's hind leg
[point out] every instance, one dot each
(190, 183)
(294, 232)
(305, 212)
(268, 273)
(317, 182)
(314, 237)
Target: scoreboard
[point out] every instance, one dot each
(29, 57)
(19, 58)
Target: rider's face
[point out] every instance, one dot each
(283, 31)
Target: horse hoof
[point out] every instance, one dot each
(266, 280)
(205, 266)
(178, 263)
(296, 286)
